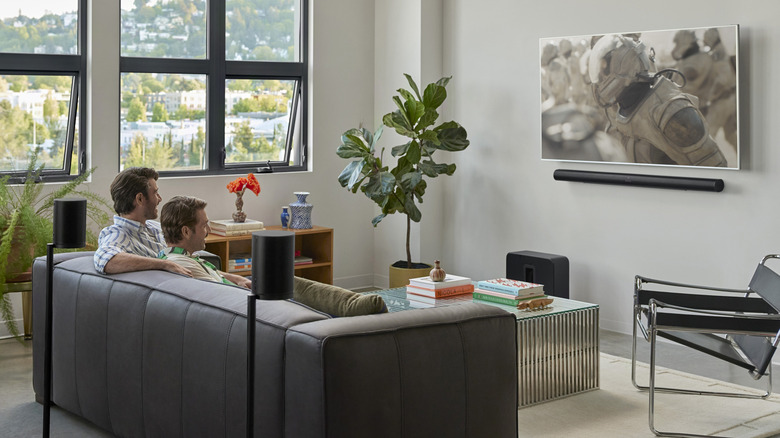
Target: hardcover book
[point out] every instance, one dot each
(509, 300)
(514, 287)
(449, 281)
(230, 225)
(440, 293)
(230, 233)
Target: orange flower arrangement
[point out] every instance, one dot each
(239, 185)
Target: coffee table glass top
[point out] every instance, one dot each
(397, 300)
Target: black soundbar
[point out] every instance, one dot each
(627, 179)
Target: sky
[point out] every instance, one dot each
(36, 8)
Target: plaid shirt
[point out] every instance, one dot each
(128, 236)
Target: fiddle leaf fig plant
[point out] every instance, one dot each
(398, 190)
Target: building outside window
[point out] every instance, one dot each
(42, 82)
(213, 86)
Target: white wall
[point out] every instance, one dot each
(503, 197)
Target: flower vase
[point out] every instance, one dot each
(285, 216)
(238, 215)
(301, 212)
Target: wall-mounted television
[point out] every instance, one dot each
(658, 98)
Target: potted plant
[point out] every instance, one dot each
(398, 190)
(26, 226)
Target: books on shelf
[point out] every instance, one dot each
(231, 225)
(499, 298)
(227, 227)
(234, 232)
(240, 262)
(303, 260)
(448, 282)
(440, 293)
(514, 287)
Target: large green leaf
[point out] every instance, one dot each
(353, 145)
(430, 136)
(434, 96)
(379, 186)
(399, 150)
(375, 221)
(409, 181)
(414, 110)
(351, 174)
(413, 152)
(413, 85)
(406, 94)
(431, 169)
(427, 119)
(412, 210)
(444, 81)
(453, 139)
(398, 121)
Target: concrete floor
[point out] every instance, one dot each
(21, 416)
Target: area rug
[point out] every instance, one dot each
(618, 409)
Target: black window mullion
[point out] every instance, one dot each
(257, 69)
(25, 63)
(81, 100)
(163, 65)
(215, 97)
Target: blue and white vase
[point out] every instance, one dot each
(285, 216)
(301, 212)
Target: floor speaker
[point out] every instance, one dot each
(551, 270)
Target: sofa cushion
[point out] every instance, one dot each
(334, 300)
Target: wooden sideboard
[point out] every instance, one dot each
(316, 242)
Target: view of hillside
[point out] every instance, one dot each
(163, 115)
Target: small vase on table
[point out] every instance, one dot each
(301, 212)
(285, 216)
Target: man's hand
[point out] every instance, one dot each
(175, 268)
(238, 280)
(126, 262)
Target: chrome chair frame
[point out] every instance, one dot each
(726, 320)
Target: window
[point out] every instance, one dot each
(213, 86)
(42, 82)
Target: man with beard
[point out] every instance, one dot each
(134, 240)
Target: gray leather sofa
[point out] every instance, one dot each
(154, 354)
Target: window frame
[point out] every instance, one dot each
(218, 70)
(36, 64)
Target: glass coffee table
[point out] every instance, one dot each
(558, 347)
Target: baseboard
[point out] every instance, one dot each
(354, 282)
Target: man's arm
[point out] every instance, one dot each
(126, 262)
(237, 279)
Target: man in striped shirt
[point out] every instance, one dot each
(185, 226)
(134, 240)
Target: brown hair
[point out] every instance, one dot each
(179, 212)
(127, 184)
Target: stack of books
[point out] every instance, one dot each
(303, 260)
(506, 291)
(426, 290)
(228, 227)
(239, 262)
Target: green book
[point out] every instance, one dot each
(501, 300)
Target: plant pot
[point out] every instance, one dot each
(400, 274)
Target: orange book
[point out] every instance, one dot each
(440, 293)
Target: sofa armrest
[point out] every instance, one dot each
(448, 371)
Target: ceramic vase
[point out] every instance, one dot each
(285, 216)
(300, 212)
(437, 273)
(239, 215)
